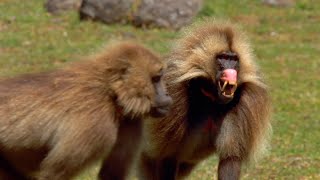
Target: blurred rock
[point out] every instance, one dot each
(279, 3)
(172, 14)
(58, 6)
(167, 13)
(108, 11)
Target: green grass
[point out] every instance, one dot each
(286, 43)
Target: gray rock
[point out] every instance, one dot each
(58, 6)
(279, 3)
(171, 14)
(108, 11)
(167, 13)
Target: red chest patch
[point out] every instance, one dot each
(210, 126)
(119, 110)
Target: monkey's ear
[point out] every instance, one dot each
(130, 100)
(128, 96)
(117, 70)
(123, 66)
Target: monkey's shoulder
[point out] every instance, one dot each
(35, 81)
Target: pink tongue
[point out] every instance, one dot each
(229, 75)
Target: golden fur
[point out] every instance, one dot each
(245, 129)
(56, 123)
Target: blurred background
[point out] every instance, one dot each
(38, 35)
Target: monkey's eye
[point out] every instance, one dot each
(221, 56)
(234, 58)
(228, 56)
(156, 79)
(220, 63)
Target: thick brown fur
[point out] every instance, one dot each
(54, 124)
(176, 144)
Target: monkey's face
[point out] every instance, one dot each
(148, 92)
(226, 80)
(223, 85)
(162, 101)
(140, 90)
(211, 66)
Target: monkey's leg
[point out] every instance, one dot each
(229, 168)
(71, 155)
(167, 169)
(62, 164)
(155, 169)
(8, 173)
(184, 170)
(147, 168)
(118, 163)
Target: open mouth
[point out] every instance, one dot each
(163, 110)
(160, 111)
(227, 88)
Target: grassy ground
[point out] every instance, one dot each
(286, 42)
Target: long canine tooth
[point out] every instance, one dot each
(234, 87)
(224, 85)
(224, 93)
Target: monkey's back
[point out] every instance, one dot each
(38, 109)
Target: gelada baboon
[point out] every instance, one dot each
(54, 124)
(220, 105)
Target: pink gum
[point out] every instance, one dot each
(229, 75)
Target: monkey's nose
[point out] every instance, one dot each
(229, 75)
(228, 82)
(168, 100)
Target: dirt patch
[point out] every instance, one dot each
(248, 19)
(3, 26)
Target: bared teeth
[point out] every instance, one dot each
(226, 95)
(224, 85)
(234, 87)
(223, 88)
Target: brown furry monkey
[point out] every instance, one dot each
(54, 124)
(221, 105)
